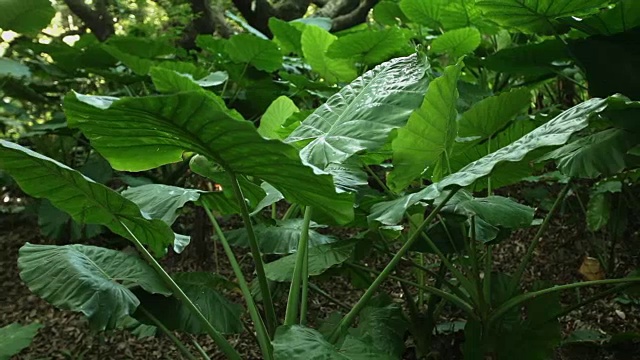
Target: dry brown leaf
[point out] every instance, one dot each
(591, 269)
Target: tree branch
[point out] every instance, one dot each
(355, 17)
(257, 13)
(206, 21)
(99, 20)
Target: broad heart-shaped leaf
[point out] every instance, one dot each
(167, 79)
(25, 16)
(88, 279)
(370, 47)
(423, 12)
(447, 14)
(624, 16)
(457, 42)
(203, 289)
(602, 153)
(15, 337)
(321, 258)
(555, 132)
(286, 35)
(315, 43)
(280, 239)
(388, 13)
(361, 116)
(296, 342)
(536, 15)
(491, 114)
(533, 59)
(260, 53)
(167, 126)
(271, 123)
(272, 196)
(427, 138)
(85, 200)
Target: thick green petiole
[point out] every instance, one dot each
(293, 303)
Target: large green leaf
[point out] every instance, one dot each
(602, 153)
(555, 132)
(301, 343)
(625, 15)
(280, 239)
(361, 116)
(382, 325)
(15, 337)
(369, 47)
(286, 35)
(530, 59)
(446, 14)
(271, 123)
(315, 43)
(491, 114)
(321, 258)
(85, 200)
(457, 42)
(92, 280)
(167, 126)
(203, 289)
(260, 53)
(536, 15)
(427, 138)
(423, 12)
(388, 12)
(12, 68)
(25, 16)
(161, 201)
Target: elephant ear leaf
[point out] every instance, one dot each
(85, 200)
(88, 279)
(14, 338)
(199, 122)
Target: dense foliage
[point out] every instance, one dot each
(398, 120)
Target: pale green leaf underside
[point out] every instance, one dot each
(553, 133)
(321, 258)
(92, 280)
(361, 116)
(167, 126)
(273, 119)
(82, 198)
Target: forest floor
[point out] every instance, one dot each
(66, 335)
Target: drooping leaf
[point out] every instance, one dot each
(168, 80)
(370, 47)
(15, 337)
(94, 281)
(602, 153)
(553, 133)
(229, 141)
(361, 116)
(423, 12)
(86, 201)
(457, 42)
(427, 138)
(204, 290)
(260, 53)
(598, 211)
(536, 15)
(25, 16)
(388, 13)
(625, 15)
(315, 43)
(280, 239)
(271, 123)
(161, 201)
(321, 258)
(272, 196)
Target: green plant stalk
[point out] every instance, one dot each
(463, 305)
(304, 300)
(591, 299)
(269, 310)
(289, 213)
(224, 345)
(431, 306)
(421, 280)
(261, 331)
(517, 277)
(293, 302)
(202, 352)
(350, 317)
(475, 268)
(486, 281)
(519, 300)
(179, 344)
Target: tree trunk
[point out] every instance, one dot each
(99, 20)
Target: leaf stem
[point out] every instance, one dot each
(224, 345)
(293, 302)
(260, 328)
(179, 344)
(270, 313)
(348, 319)
(517, 277)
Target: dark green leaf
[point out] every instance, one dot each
(15, 337)
(369, 47)
(315, 43)
(25, 16)
(94, 281)
(321, 258)
(457, 42)
(260, 53)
